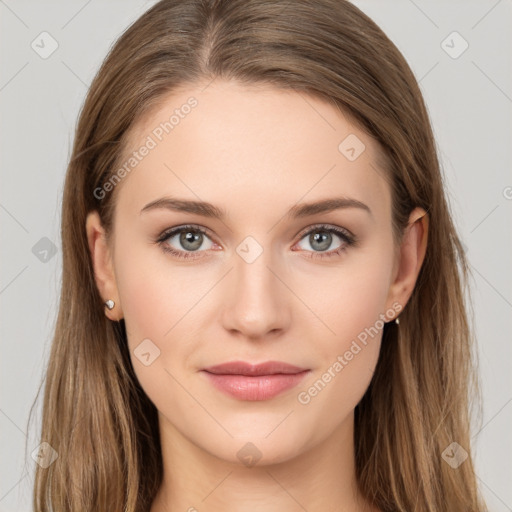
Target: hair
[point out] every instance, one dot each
(95, 413)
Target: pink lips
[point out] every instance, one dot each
(254, 382)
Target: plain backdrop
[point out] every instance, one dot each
(460, 51)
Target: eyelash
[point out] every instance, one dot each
(348, 239)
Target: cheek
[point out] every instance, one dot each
(150, 305)
(142, 299)
(154, 293)
(346, 360)
(353, 297)
(151, 309)
(353, 307)
(160, 303)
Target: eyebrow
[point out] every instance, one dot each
(298, 211)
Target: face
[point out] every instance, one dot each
(264, 280)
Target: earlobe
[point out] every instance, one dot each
(103, 268)
(411, 256)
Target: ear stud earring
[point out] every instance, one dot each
(397, 320)
(110, 304)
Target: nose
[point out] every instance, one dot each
(257, 302)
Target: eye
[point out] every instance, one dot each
(187, 240)
(320, 237)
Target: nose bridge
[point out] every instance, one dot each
(257, 304)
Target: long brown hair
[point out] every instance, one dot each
(95, 414)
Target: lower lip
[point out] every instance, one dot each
(263, 387)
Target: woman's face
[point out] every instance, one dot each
(269, 279)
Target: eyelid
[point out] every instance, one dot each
(327, 227)
(167, 233)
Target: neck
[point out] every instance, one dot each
(320, 478)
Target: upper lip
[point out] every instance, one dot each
(243, 368)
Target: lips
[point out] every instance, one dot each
(250, 370)
(246, 381)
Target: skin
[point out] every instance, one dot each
(255, 151)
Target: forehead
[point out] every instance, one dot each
(227, 142)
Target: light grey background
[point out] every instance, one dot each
(470, 102)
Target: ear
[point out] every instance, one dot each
(102, 262)
(410, 258)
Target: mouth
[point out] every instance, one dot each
(246, 381)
